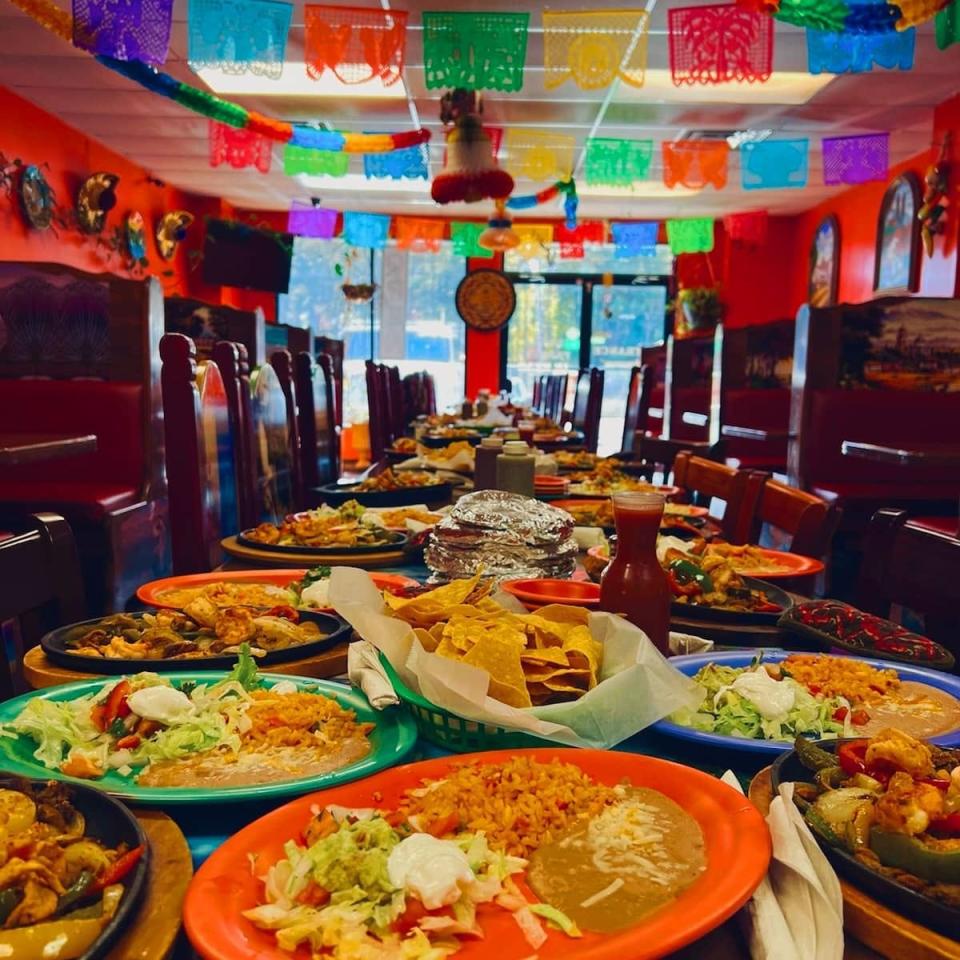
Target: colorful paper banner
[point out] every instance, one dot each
(306, 220)
(720, 43)
(635, 239)
(948, 25)
(356, 44)
(535, 239)
(594, 47)
(538, 156)
(317, 163)
(690, 236)
(238, 148)
(476, 51)
(856, 159)
(748, 228)
(465, 239)
(418, 234)
(695, 163)
(859, 52)
(238, 36)
(617, 163)
(774, 164)
(132, 30)
(571, 241)
(366, 229)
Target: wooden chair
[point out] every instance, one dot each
(740, 491)
(536, 399)
(581, 396)
(317, 431)
(430, 388)
(810, 521)
(335, 350)
(914, 568)
(395, 405)
(41, 588)
(325, 364)
(638, 404)
(201, 466)
(376, 405)
(282, 363)
(275, 452)
(591, 424)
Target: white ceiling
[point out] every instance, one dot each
(172, 143)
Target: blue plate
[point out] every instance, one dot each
(736, 658)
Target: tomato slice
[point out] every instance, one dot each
(948, 826)
(852, 756)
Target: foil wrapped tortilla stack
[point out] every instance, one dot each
(509, 535)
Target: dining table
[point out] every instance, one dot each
(17, 449)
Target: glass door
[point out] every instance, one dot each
(543, 335)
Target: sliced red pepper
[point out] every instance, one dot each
(840, 714)
(859, 718)
(118, 869)
(939, 784)
(415, 911)
(852, 756)
(288, 613)
(682, 589)
(767, 606)
(115, 702)
(948, 826)
(129, 742)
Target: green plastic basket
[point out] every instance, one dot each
(452, 732)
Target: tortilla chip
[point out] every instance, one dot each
(545, 655)
(431, 606)
(427, 640)
(446, 649)
(500, 657)
(513, 697)
(562, 613)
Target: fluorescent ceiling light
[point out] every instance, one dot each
(294, 82)
(784, 87)
(642, 188)
(358, 183)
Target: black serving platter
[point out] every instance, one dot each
(435, 442)
(899, 897)
(110, 822)
(692, 613)
(395, 540)
(337, 494)
(54, 645)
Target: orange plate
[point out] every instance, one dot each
(577, 593)
(149, 592)
(737, 847)
(790, 565)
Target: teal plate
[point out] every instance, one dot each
(391, 740)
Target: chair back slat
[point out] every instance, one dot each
(591, 423)
(335, 350)
(314, 423)
(282, 363)
(807, 518)
(581, 397)
(638, 403)
(333, 429)
(274, 451)
(395, 404)
(376, 404)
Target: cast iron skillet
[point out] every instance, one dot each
(692, 612)
(395, 540)
(931, 913)
(54, 645)
(110, 822)
(337, 494)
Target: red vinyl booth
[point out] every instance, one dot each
(758, 410)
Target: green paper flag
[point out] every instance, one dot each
(948, 25)
(465, 237)
(829, 15)
(690, 236)
(476, 51)
(617, 163)
(320, 163)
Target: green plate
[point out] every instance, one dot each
(392, 739)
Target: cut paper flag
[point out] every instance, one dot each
(571, 241)
(747, 228)
(856, 159)
(948, 25)
(915, 12)
(594, 47)
(238, 36)
(238, 148)
(306, 220)
(418, 234)
(356, 44)
(366, 229)
(465, 239)
(124, 29)
(476, 51)
(774, 164)
(317, 163)
(720, 43)
(407, 164)
(535, 239)
(635, 239)
(617, 163)
(829, 15)
(690, 236)
(859, 52)
(695, 163)
(538, 156)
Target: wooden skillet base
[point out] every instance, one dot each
(888, 933)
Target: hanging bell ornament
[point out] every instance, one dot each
(470, 171)
(499, 235)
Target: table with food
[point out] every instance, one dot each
(518, 762)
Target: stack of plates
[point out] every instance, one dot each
(506, 534)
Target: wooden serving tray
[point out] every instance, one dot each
(291, 558)
(869, 921)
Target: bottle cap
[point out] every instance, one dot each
(517, 448)
(491, 442)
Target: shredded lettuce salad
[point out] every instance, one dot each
(747, 702)
(338, 896)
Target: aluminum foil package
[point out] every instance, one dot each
(509, 535)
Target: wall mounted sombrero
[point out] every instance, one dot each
(171, 229)
(97, 197)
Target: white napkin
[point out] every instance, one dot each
(681, 643)
(587, 537)
(797, 911)
(366, 672)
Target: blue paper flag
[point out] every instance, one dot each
(366, 229)
(859, 52)
(635, 239)
(237, 36)
(774, 164)
(407, 164)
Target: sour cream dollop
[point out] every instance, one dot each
(160, 704)
(772, 698)
(433, 870)
(316, 594)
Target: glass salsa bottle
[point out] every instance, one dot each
(634, 583)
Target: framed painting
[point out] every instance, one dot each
(897, 264)
(824, 264)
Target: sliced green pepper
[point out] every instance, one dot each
(812, 756)
(823, 829)
(686, 571)
(76, 891)
(913, 855)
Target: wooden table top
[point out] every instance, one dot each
(905, 455)
(17, 448)
(39, 672)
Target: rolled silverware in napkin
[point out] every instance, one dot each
(366, 672)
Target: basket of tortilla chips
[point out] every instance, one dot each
(480, 673)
